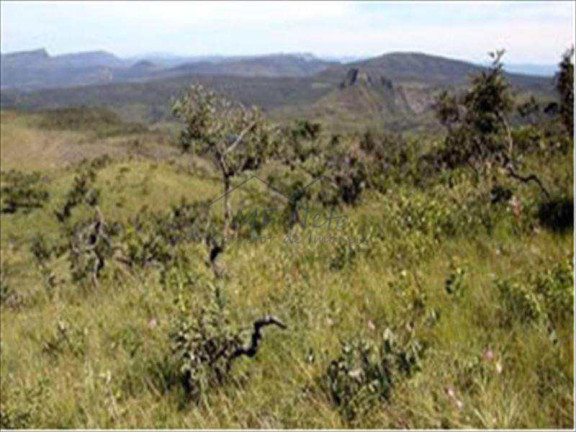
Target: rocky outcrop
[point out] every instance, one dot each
(358, 76)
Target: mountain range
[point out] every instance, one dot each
(396, 90)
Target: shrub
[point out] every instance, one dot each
(366, 373)
(204, 347)
(42, 253)
(520, 303)
(82, 192)
(545, 296)
(91, 246)
(22, 191)
(556, 288)
(557, 214)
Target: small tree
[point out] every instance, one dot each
(235, 138)
(565, 87)
(478, 125)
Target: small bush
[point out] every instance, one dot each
(519, 302)
(365, 372)
(542, 297)
(556, 288)
(203, 346)
(82, 192)
(22, 191)
(557, 214)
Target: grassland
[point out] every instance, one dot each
(76, 356)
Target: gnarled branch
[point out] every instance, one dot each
(252, 348)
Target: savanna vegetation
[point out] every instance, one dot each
(358, 279)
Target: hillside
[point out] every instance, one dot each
(38, 70)
(281, 65)
(394, 90)
(407, 67)
(463, 304)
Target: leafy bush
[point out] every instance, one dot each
(91, 246)
(82, 191)
(234, 137)
(22, 191)
(366, 372)
(520, 303)
(204, 347)
(541, 297)
(556, 288)
(150, 238)
(42, 253)
(557, 214)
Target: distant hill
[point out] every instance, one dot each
(426, 69)
(150, 100)
(280, 65)
(398, 89)
(393, 90)
(38, 70)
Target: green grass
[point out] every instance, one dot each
(111, 371)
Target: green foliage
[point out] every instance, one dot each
(546, 296)
(203, 345)
(6, 291)
(90, 247)
(66, 337)
(82, 190)
(476, 121)
(235, 138)
(22, 191)
(20, 409)
(565, 88)
(437, 239)
(519, 301)
(555, 288)
(366, 372)
(150, 238)
(43, 253)
(454, 284)
(102, 121)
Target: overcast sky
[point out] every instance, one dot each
(531, 32)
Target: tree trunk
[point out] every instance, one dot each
(226, 181)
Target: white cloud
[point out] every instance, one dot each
(531, 31)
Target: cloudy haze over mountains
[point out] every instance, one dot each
(334, 30)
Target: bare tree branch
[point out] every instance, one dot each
(238, 139)
(252, 348)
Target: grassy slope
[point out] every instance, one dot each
(116, 381)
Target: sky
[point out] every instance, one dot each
(531, 32)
